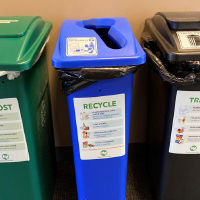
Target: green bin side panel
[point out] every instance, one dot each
(34, 179)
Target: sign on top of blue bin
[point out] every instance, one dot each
(97, 43)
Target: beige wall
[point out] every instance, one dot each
(58, 10)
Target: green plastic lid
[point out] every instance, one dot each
(21, 40)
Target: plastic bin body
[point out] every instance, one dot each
(33, 179)
(102, 178)
(99, 178)
(172, 175)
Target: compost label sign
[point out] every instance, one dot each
(101, 126)
(185, 135)
(189, 39)
(13, 147)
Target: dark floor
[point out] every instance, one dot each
(137, 185)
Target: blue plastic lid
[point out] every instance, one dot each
(97, 42)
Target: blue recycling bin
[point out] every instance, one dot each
(100, 112)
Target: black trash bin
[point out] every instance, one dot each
(172, 43)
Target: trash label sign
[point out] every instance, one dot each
(189, 39)
(100, 126)
(81, 46)
(13, 146)
(185, 134)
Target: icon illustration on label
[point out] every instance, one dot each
(85, 144)
(193, 148)
(179, 139)
(84, 127)
(182, 120)
(180, 130)
(74, 47)
(104, 153)
(86, 134)
(84, 116)
(5, 156)
(183, 110)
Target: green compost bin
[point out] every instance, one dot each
(27, 154)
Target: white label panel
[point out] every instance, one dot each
(81, 46)
(185, 135)
(7, 21)
(189, 39)
(13, 146)
(101, 126)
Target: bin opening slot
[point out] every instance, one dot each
(103, 34)
(106, 31)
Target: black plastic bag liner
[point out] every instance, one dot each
(172, 44)
(160, 68)
(181, 73)
(78, 78)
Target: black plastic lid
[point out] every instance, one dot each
(182, 20)
(177, 34)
